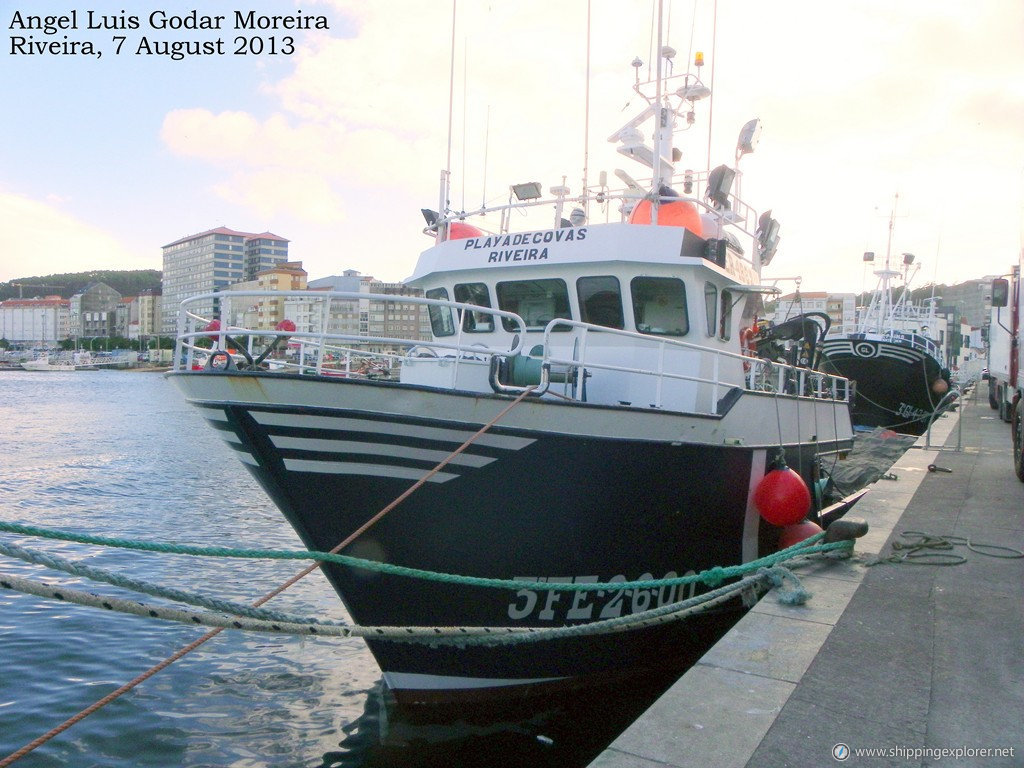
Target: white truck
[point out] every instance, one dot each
(1002, 330)
(1006, 387)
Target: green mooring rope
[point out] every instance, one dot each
(711, 577)
(919, 548)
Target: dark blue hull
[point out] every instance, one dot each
(519, 503)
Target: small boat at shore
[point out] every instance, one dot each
(46, 365)
(79, 361)
(586, 408)
(896, 365)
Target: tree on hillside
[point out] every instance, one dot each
(125, 282)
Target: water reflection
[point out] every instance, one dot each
(568, 730)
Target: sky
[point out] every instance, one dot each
(338, 139)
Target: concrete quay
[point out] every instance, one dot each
(922, 664)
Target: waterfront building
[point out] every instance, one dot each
(266, 312)
(44, 320)
(360, 317)
(94, 311)
(140, 318)
(210, 261)
(840, 307)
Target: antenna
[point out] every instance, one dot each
(586, 122)
(487, 143)
(465, 78)
(711, 101)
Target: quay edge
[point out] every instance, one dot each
(887, 657)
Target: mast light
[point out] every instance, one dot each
(694, 92)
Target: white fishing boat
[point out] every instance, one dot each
(586, 408)
(48, 365)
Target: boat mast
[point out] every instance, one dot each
(442, 205)
(660, 117)
(877, 314)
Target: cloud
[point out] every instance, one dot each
(858, 101)
(41, 239)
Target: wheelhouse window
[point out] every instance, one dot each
(659, 306)
(711, 306)
(441, 323)
(538, 302)
(600, 301)
(725, 325)
(475, 293)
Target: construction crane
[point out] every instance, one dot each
(22, 286)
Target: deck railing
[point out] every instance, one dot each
(571, 351)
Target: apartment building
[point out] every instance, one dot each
(210, 261)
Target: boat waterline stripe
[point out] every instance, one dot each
(411, 681)
(346, 424)
(356, 468)
(321, 445)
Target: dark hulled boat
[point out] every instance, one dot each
(647, 426)
(895, 364)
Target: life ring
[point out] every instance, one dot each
(747, 346)
(219, 360)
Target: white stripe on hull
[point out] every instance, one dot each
(385, 428)
(410, 681)
(752, 519)
(756, 420)
(356, 468)
(322, 445)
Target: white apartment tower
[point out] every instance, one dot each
(210, 261)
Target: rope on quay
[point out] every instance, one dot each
(920, 548)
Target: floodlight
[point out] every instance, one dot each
(529, 191)
(767, 236)
(908, 259)
(719, 183)
(749, 136)
(869, 255)
(429, 216)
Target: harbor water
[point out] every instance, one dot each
(120, 454)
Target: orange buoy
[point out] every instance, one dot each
(460, 230)
(285, 325)
(782, 497)
(794, 534)
(676, 214)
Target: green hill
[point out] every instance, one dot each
(125, 282)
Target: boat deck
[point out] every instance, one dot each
(895, 658)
